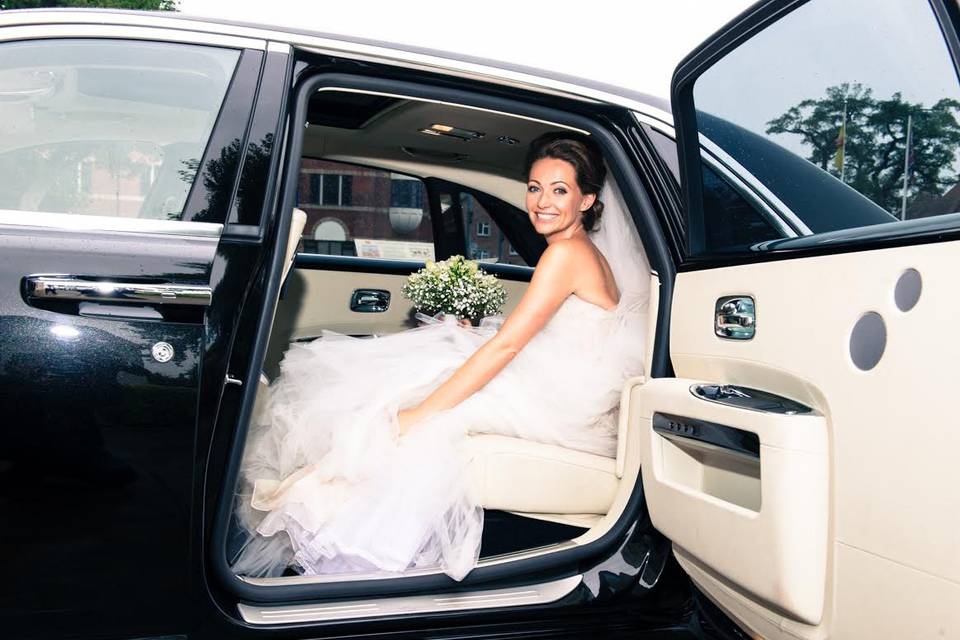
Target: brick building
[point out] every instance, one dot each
(347, 203)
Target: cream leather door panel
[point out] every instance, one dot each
(855, 487)
(315, 300)
(734, 511)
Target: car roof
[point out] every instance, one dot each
(486, 69)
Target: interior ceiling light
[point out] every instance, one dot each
(466, 135)
(508, 140)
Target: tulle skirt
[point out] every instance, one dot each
(328, 485)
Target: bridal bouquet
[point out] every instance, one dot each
(455, 286)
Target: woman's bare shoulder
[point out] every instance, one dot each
(572, 249)
(585, 267)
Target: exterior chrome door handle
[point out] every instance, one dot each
(69, 288)
(370, 300)
(735, 318)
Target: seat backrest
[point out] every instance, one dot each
(293, 241)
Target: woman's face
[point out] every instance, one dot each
(554, 200)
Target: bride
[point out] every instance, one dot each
(357, 464)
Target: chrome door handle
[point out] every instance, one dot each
(735, 318)
(78, 289)
(370, 300)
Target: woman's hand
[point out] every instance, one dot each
(409, 417)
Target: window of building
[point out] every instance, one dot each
(331, 190)
(406, 193)
(330, 229)
(483, 229)
(387, 218)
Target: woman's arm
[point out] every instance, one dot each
(553, 280)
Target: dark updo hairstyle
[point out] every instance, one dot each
(587, 160)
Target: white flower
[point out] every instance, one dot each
(455, 286)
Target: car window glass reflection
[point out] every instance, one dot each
(106, 128)
(871, 113)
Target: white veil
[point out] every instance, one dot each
(618, 241)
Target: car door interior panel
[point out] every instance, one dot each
(755, 482)
(852, 442)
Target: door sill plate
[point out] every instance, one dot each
(346, 610)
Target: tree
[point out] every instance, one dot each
(143, 5)
(874, 143)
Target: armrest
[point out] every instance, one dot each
(624, 421)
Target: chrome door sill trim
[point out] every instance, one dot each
(544, 593)
(387, 575)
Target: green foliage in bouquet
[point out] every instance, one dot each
(456, 286)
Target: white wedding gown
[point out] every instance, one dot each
(327, 486)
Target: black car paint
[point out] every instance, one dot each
(98, 470)
(95, 471)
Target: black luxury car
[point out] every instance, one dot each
(183, 199)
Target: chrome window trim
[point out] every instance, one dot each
(469, 70)
(450, 63)
(756, 185)
(774, 209)
(772, 216)
(80, 222)
(119, 32)
(451, 104)
(279, 47)
(542, 593)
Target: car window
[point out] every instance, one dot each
(106, 128)
(730, 221)
(358, 211)
(486, 241)
(846, 127)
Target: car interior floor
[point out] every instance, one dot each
(505, 532)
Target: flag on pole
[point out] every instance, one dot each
(839, 160)
(841, 142)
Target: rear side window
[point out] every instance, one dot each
(358, 211)
(106, 128)
(846, 127)
(486, 240)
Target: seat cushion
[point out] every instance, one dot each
(530, 477)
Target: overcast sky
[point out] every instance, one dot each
(635, 44)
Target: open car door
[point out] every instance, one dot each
(802, 461)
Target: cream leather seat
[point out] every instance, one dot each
(539, 480)
(297, 224)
